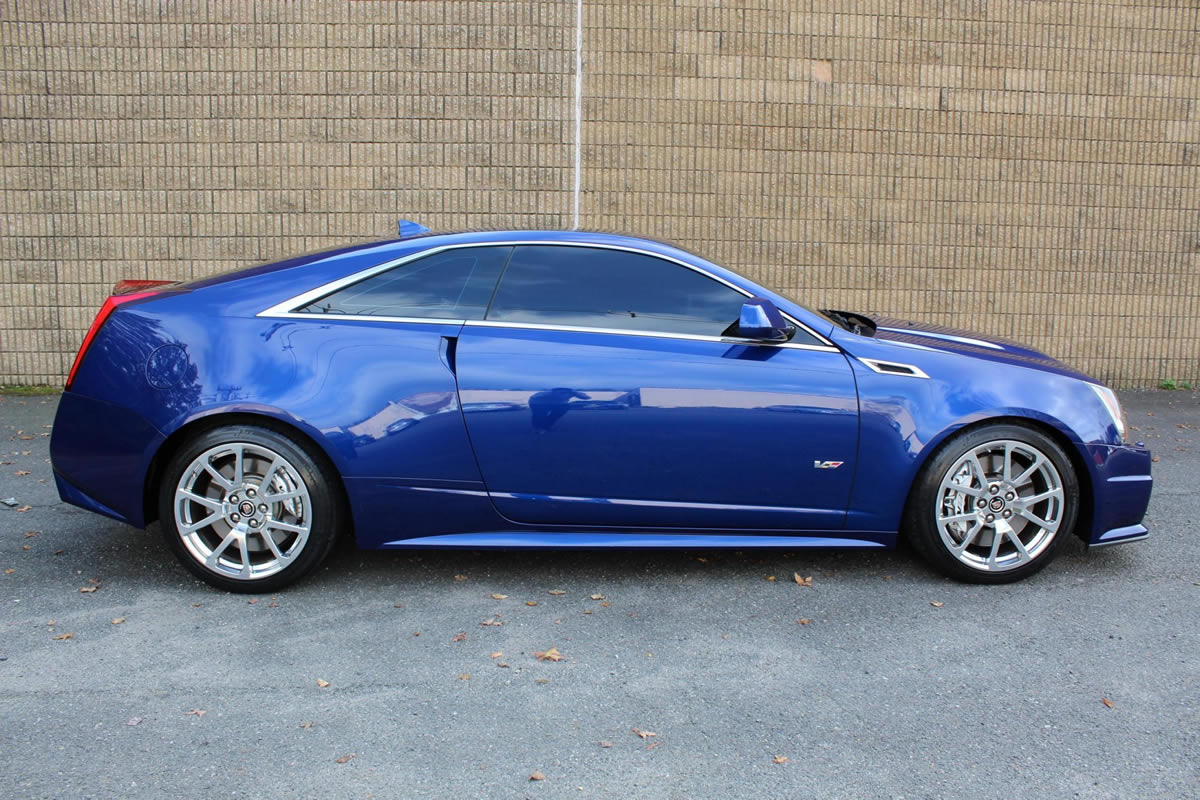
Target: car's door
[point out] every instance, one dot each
(600, 389)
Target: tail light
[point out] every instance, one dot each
(123, 292)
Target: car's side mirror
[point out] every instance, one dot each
(760, 319)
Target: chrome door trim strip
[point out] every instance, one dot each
(287, 309)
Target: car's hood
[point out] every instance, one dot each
(939, 337)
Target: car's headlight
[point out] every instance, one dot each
(1109, 398)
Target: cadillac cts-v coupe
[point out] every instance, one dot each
(565, 389)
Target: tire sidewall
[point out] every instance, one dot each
(326, 505)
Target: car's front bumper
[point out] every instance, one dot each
(1121, 484)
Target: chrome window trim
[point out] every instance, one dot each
(287, 309)
(877, 364)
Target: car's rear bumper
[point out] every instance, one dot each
(1121, 484)
(99, 452)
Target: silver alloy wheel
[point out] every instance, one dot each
(243, 511)
(1000, 505)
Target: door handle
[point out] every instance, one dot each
(446, 351)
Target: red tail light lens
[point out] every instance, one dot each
(109, 306)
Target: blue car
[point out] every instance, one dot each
(535, 389)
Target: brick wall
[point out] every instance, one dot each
(1020, 167)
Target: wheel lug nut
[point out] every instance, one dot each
(981, 504)
(249, 493)
(1009, 496)
(1007, 514)
(236, 517)
(253, 523)
(263, 508)
(994, 489)
(233, 498)
(991, 517)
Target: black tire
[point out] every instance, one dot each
(941, 513)
(303, 527)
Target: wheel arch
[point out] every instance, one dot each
(1083, 475)
(217, 419)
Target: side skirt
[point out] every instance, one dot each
(536, 540)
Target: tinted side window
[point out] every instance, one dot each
(452, 284)
(600, 288)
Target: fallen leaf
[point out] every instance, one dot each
(536, 775)
(530, 603)
(644, 734)
(494, 622)
(802, 581)
(460, 578)
(9, 571)
(52, 622)
(23, 509)
(702, 559)
(887, 577)
(59, 552)
(64, 636)
(499, 597)
(597, 597)
(1107, 702)
(132, 721)
(770, 577)
(936, 603)
(23, 472)
(496, 654)
(466, 676)
(253, 601)
(549, 655)
(605, 743)
(197, 605)
(26, 547)
(780, 759)
(398, 605)
(322, 683)
(557, 592)
(273, 604)
(461, 637)
(503, 664)
(653, 745)
(31, 534)
(306, 724)
(25, 438)
(195, 712)
(88, 589)
(606, 604)
(804, 621)
(416, 633)
(344, 759)
(118, 620)
(1152, 458)
(587, 611)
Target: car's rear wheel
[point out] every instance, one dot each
(994, 504)
(248, 509)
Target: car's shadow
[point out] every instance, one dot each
(140, 558)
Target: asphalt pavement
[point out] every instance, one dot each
(683, 675)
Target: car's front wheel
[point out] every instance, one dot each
(994, 504)
(247, 509)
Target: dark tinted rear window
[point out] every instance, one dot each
(602, 288)
(452, 284)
